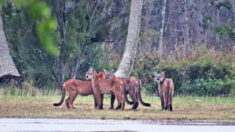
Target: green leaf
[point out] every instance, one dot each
(40, 10)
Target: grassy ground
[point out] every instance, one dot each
(192, 108)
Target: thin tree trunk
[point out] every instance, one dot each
(60, 68)
(60, 71)
(186, 32)
(127, 61)
(147, 44)
(76, 66)
(217, 11)
(162, 29)
(233, 6)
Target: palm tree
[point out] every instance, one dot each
(128, 58)
(7, 66)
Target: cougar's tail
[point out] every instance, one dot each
(140, 98)
(62, 98)
(125, 94)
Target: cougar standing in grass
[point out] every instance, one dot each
(133, 88)
(165, 90)
(115, 86)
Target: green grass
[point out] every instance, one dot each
(189, 107)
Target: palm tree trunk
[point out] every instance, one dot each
(7, 66)
(127, 61)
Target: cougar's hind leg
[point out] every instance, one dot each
(122, 101)
(102, 99)
(135, 100)
(134, 107)
(171, 109)
(95, 102)
(112, 101)
(98, 100)
(119, 106)
(165, 98)
(162, 102)
(73, 96)
(67, 102)
(123, 105)
(170, 103)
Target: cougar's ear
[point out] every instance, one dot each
(91, 69)
(105, 71)
(154, 73)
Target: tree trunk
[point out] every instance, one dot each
(127, 62)
(233, 6)
(186, 32)
(217, 11)
(147, 44)
(7, 66)
(76, 66)
(162, 28)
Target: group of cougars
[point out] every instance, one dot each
(107, 83)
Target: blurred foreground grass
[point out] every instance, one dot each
(189, 107)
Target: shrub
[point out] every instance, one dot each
(206, 72)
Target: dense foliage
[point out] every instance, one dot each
(80, 35)
(41, 14)
(206, 72)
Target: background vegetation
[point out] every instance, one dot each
(93, 33)
(206, 72)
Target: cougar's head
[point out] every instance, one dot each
(108, 74)
(89, 74)
(159, 77)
